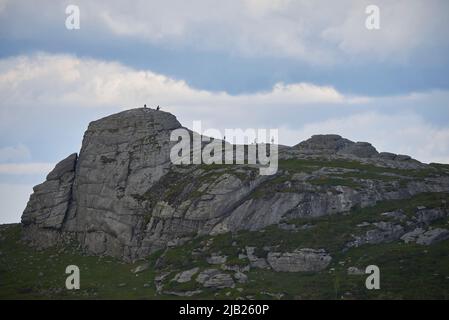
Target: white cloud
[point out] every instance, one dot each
(26, 168)
(316, 31)
(64, 81)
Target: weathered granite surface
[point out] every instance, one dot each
(122, 196)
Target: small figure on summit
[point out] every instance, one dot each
(144, 106)
(157, 108)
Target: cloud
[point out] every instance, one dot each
(400, 32)
(46, 82)
(319, 32)
(314, 31)
(65, 80)
(25, 168)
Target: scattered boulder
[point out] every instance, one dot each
(354, 271)
(183, 293)
(141, 268)
(299, 260)
(384, 232)
(412, 235)
(159, 281)
(240, 277)
(255, 261)
(396, 215)
(186, 276)
(363, 224)
(216, 259)
(427, 216)
(213, 278)
(433, 236)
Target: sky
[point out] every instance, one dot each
(304, 67)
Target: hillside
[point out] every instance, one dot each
(224, 231)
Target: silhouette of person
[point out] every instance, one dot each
(157, 108)
(145, 106)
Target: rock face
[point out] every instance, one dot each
(121, 156)
(50, 201)
(48, 205)
(123, 197)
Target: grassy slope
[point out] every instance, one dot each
(407, 270)
(26, 273)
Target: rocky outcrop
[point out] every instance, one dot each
(413, 230)
(354, 271)
(123, 197)
(216, 259)
(324, 144)
(383, 232)
(423, 237)
(48, 206)
(50, 201)
(301, 260)
(213, 278)
(186, 276)
(433, 236)
(330, 144)
(121, 156)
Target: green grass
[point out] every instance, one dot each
(408, 271)
(335, 181)
(26, 273)
(310, 165)
(352, 179)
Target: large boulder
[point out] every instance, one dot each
(186, 276)
(299, 260)
(48, 205)
(213, 278)
(433, 236)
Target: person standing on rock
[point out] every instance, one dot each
(157, 108)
